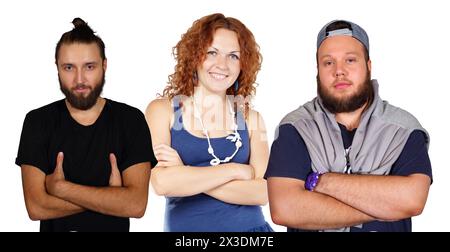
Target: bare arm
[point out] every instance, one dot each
(385, 197)
(172, 178)
(254, 191)
(181, 181)
(40, 205)
(292, 206)
(129, 200)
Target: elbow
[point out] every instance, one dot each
(279, 218)
(279, 214)
(263, 200)
(137, 213)
(137, 210)
(158, 185)
(415, 209)
(403, 212)
(34, 216)
(34, 212)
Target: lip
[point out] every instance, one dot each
(218, 76)
(81, 90)
(342, 85)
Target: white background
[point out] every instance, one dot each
(409, 48)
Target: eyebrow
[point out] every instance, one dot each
(84, 64)
(229, 52)
(348, 53)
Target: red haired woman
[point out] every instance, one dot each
(211, 146)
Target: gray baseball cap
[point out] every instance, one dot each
(343, 27)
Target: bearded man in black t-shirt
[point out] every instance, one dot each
(85, 160)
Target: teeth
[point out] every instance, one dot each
(218, 76)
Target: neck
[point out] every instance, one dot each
(89, 116)
(206, 99)
(351, 119)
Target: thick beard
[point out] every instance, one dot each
(349, 104)
(80, 102)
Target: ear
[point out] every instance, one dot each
(369, 65)
(105, 63)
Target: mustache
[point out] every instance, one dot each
(81, 86)
(342, 80)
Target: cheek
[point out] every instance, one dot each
(235, 67)
(94, 76)
(206, 65)
(325, 77)
(66, 78)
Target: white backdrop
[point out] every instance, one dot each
(409, 43)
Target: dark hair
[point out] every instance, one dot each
(345, 25)
(81, 33)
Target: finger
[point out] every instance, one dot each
(164, 152)
(162, 157)
(167, 151)
(163, 163)
(59, 161)
(161, 145)
(164, 147)
(113, 161)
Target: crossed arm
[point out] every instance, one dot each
(231, 182)
(341, 200)
(51, 196)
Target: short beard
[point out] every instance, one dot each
(80, 102)
(343, 105)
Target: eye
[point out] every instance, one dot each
(351, 60)
(328, 63)
(90, 67)
(234, 56)
(212, 53)
(68, 67)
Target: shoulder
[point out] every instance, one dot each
(399, 116)
(45, 113)
(304, 112)
(159, 108)
(159, 105)
(255, 121)
(124, 111)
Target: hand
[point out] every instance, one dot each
(167, 156)
(53, 180)
(245, 172)
(115, 179)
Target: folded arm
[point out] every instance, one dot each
(253, 191)
(292, 206)
(41, 205)
(384, 197)
(129, 200)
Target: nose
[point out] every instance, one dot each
(80, 77)
(221, 61)
(340, 70)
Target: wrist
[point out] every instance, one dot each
(60, 189)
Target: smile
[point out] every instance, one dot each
(218, 76)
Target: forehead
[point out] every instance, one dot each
(226, 40)
(79, 53)
(340, 45)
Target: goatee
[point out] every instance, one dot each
(80, 102)
(334, 104)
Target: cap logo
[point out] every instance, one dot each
(345, 31)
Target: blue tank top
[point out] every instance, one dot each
(201, 212)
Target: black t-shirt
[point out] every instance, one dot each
(119, 129)
(289, 157)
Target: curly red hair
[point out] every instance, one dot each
(191, 51)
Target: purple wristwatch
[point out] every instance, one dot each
(312, 180)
